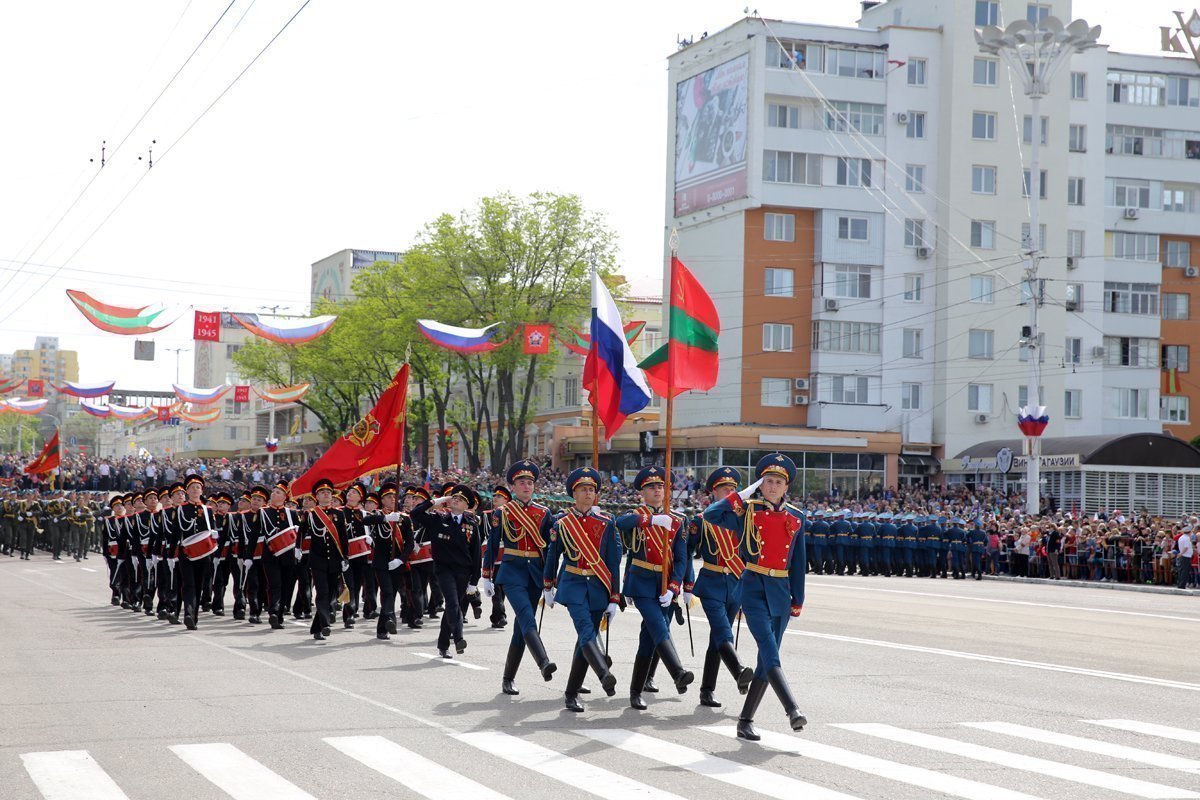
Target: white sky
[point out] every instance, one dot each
(366, 119)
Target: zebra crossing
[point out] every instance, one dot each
(837, 761)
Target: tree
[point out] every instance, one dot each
(19, 433)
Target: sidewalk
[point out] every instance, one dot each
(1120, 587)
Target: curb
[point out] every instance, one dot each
(1119, 587)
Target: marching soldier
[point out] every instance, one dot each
(589, 584)
(907, 543)
(224, 560)
(8, 524)
(420, 572)
(455, 538)
(866, 545)
(253, 544)
(358, 553)
(324, 528)
(501, 495)
(977, 543)
(302, 607)
(280, 527)
(887, 535)
(957, 538)
(112, 546)
(80, 518)
(840, 530)
(166, 561)
(392, 533)
(198, 536)
(820, 537)
(656, 543)
(521, 535)
(773, 584)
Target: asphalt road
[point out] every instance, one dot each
(913, 688)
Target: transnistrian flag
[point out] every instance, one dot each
(47, 460)
(688, 361)
(615, 385)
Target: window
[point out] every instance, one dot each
(779, 227)
(852, 281)
(777, 392)
(987, 12)
(777, 337)
(1075, 243)
(916, 71)
(1027, 241)
(1175, 356)
(854, 172)
(784, 167)
(912, 343)
(1135, 246)
(1130, 351)
(983, 125)
(1027, 130)
(1130, 193)
(979, 398)
(833, 336)
(1178, 254)
(1077, 138)
(979, 343)
(797, 55)
(850, 63)
(1136, 88)
(777, 282)
(984, 73)
(1130, 403)
(914, 178)
(1131, 298)
(912, 288)
(1179, 198)
(851, 389)
(1023, 352)
(1036, 12)
(1175, 305)
(1073, 404)
(1079, 86)
(1183, 91)
(983, 234)
(910, 396)
(571, 391)
(866, 118)
(853, 229)
(781, 116)
(915, 128)
(983, 179)
(983, 289)
(1074, 350)
(230, 350)
(914, 233)
(1073, 297)
(1173, 409)
(1025, 184)
(1075, 191)
(1023, 395)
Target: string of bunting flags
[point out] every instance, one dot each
(535, 338)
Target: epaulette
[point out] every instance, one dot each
(797, 509)
(604, 515)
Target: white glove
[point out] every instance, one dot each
(345, 566)
(687, 598)
(487, 587)
(662, 520)
(247, 562)
(171, 562)
(395, 563)
(299, 553)
(749, 490)
(154, 561)
(120, 562)
(394, 516)
(437, 501)
(370, 540)
(472, 591)
(665, 599)
(548, 597)
(611, 611)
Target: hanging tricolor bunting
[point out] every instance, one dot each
(286, 330)
(579, 343)
(201, 397)
(10, 385)
(26, 406)
(103, 412)
(130, 413)
(200, 417)
(462, 340)
(1032, 422)
(271, 444)
(86, 390)
(118, 319)
(283, 394)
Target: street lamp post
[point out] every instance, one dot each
(1034, 53)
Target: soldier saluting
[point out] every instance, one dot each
(455, 539)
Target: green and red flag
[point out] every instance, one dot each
(688, 361)
(47, 460)
(117, 319)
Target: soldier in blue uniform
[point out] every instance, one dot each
(866, 545)
(888, 532)
(656, 543)
(820, 538)
(585, 539)
(840, 532)
(906, 545)
(977, 541)
(773, 584)
(933, 547)
(957, 538)
(719, 588)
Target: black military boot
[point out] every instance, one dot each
(579, 667)
(595, 657)
(670, 659)
(515, 651)
(708, 679)
(536, 649)
(649, 686)
(742, 674)
(779, 683)
(641, 664)
(754, 696)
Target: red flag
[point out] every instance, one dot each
(35, 387)
(47, 460)
(535, 340)
(162, 413)
(689, 358)
(374, 443)
(207, 327)
(241, 394)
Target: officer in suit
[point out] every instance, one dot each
(820, 539)
(719, 587)
(522, 531)
(977, 543)
(773, 584)
(887, 535)
(324, 528)
(840, 529)
(585, 540)
(957, 539)
(906, 545)
(455, 536)
(656, 545)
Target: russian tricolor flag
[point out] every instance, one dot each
(616, 386)
(461, 340)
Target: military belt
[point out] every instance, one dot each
(715, 568)
(521, 553)
(587, 573)
(770, 573)
(637, 562)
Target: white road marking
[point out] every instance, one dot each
(580, 775)
(721, 769)
(891, 770)
(70, 775)
(425, 777)
(451, 661)
(87, 569)
(1041, 766)
(237, 774)
(1149, 728)
(1146, 757)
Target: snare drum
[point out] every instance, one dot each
(198, 546)
(283, 541)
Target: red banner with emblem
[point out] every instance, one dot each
(535, 340)
(35, 387)
(241, 394)
(207, 327)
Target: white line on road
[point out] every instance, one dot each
(237, 774)
(1149, 728)
(70, 775)
(451, 661)
(87, 569)
(891, 770)
(580, 775)
(1146, 757)
(425, 777)
(721, 769)
(1003, 758)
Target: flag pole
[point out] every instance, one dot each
(667, 505)
(595, 417)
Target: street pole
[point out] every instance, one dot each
(1033, 461)
(271, 435)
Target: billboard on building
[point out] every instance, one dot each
(710, 136)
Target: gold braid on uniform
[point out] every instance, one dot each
(750, 533)
(569, 546)
(709, 540)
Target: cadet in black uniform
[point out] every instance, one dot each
(392, 533)
(324, 528)
(455, 537)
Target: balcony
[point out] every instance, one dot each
(847, 416)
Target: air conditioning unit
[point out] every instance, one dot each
(901, 118)
(831, 304)
(801, 384)
(1071, 305)
(1072, 262)
(1191, 272)
(801, 399)
(1099, 351)
(924, 252)
(1131, 213)
(981, 419)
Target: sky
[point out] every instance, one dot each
(363, 121)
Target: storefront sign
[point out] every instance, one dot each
(1185, 38)
(1014, 463)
